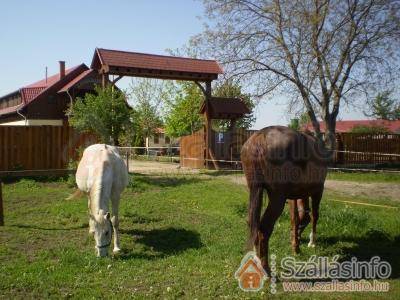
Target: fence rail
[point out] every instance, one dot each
(359, 148)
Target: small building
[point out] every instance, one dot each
(162, 143)
(45, 102)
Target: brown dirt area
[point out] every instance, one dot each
(352, 188)
(390, 191)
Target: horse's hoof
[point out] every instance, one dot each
(311, 245)
(116, 251)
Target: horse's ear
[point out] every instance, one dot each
(107, 216)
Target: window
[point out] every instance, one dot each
(167, 140)
(156, 138)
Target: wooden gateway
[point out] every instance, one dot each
(211, 148)
(206, 147)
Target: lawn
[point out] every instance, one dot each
(365, 177)
(182, 237)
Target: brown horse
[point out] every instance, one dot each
(288, 165)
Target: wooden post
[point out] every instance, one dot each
(1, 205)
(127, 159)
(208, 121)
(104, 80)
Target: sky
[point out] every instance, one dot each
(36, 34)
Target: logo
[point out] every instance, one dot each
(251, 275)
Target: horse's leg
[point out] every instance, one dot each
(115, 221)
(294, 222)
(255, 204)
(91, 221)
(274, 210)
(315, 201)
(303, 207)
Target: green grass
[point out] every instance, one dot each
(365, 177)
(182, 237)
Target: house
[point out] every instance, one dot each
(161, 142)
(45, 102)
(251, 275)
(348, 125)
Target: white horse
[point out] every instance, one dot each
(102, 175)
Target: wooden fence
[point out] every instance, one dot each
(352, 148)
(192, 149)
(360, 148)
(40, 147)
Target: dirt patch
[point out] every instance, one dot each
(370, 190)
(146, 167)
(352, 188)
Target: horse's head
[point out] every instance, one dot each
(101, 227)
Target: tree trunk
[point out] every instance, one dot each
(116, 142)
(330, 138)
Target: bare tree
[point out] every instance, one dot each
(320, 53)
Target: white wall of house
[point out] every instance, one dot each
(161, 140)
(34, 123)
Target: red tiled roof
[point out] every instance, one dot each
(77, 79)
(155, 62)
(226, 106)
(159, 130)
(50, 80)
(32, 91)
(346, 126)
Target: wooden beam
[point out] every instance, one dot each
(201, 88)
(161, 74)
(116, 79)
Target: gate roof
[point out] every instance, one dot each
(225, 108)
(115, 62)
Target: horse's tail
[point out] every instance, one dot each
(78, 193)
(255, 204)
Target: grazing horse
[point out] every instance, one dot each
(102, 175)
(288, 165)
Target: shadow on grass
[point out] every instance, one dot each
(372, 243)
(163, 242)
(50, 228)
(223, 172)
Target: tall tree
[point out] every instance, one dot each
(146, 97)
(182, 112)
(294, 124)
(384, 106)
(104, 113)
(320, 53)
(232, 89)
(300, 122)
